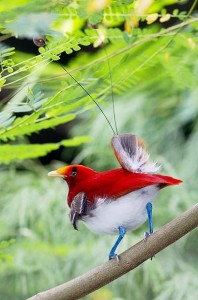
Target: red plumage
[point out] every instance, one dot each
(111, 184)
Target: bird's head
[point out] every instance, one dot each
(72, 174)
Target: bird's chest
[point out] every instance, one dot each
(129, 211)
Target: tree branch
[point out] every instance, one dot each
(128, 260)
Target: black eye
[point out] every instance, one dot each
(74, 171)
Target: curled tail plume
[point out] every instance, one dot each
(131, 153)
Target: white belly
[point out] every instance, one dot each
(128, 211)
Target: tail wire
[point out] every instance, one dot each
(115, 131)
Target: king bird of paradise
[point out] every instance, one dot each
(119, 200)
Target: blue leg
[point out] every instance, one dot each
(122, 232)
(150, 219)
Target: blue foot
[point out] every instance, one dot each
(112, 254)
(150, 219)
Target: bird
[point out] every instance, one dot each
(118, 200)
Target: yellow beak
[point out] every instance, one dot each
(55, 174)
(61, 172)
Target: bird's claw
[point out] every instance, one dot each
(113, 256)
(146, 235)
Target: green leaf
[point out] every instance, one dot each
(19, 152)
(41, 50)
(26, 127)
(175, 12)
(2, 81)
(10, 70)
(96, 18)
(68, 51)
(76, 47)
(76, 141)
(5, 52)
(6, 119)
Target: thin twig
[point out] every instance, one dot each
(128, 260)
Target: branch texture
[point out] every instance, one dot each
(128, 260)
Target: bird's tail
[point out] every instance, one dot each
(131, 153)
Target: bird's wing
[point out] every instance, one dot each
(78, 208)
(131, 154)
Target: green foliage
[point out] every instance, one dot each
(28, 124)
(21, 152)
(5, 257)
(44, 112)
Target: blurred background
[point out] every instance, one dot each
(137, 53)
